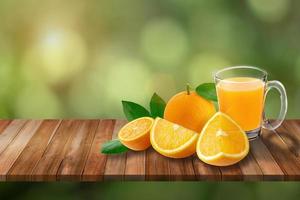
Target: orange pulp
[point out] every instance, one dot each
(242, 98)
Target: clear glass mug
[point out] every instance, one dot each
(242, 91)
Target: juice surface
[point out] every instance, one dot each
(242, 98)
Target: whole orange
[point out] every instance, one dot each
(189, 110)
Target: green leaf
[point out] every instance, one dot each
(133, 111)
(157, 106)
(113, 147)
(207, 91)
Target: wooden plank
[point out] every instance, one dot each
(157, 166)
(250, 169)
(95, 164)
(4, 124)
(231, 173)
(11, 153)
(290, 134)
(32, 153)
(115, 164)
(182, 169)
(205, 172)
(43, 150)
(10, 132)
(78, 149)
(286, 160)
(135, 165)
(265, 160)
(47, 167)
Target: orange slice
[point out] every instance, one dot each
(172, 140)
(222, 141)
(136, 134)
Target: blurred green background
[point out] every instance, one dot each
(79, 59)
(151, 191)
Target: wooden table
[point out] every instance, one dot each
(56, 150)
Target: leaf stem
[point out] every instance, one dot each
(188, 88)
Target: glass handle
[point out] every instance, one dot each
(272, 125)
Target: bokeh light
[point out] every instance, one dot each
(203, 66)
(87, 56)
(164, 42)
(86, 97)
(58, 55)
(126, 79)
(79, 59)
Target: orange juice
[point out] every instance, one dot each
(242, 98)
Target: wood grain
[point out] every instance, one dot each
(265, 160)
(115, 164)
(135, 166)
(290, 134)
(182, 169)
(231, 173)
(47, 167)
(157, 166)
(283, 156)
(11, 153)
(4, 124)
(32, 153)
(205, 172)
(250, 169)
(95, 164)
(59, 150)
(10, 132)
(77, 151)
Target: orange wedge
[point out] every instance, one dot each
(136, 134)
(222, 141)
(172, 140)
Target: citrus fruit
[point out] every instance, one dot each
(222, 141)
(189, 110)
(173, 140)
(136, 134)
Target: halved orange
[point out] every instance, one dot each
(173, 140)
(222, 141)
(136, 134)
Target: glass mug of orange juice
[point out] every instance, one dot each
(241, 94)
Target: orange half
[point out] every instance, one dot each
(172, 140)
(222, 141)
(136, 134)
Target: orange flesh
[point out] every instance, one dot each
(222, 136)
(242, 99)
(170, 136)
(135, 129)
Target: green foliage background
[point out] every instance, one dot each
(79, 59)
